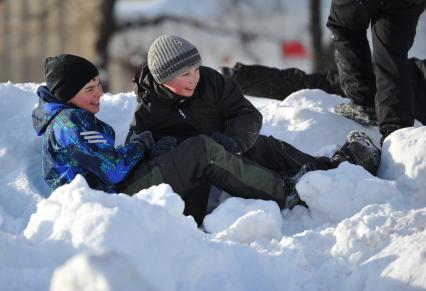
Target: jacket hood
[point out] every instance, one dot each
(145, 85)
(48, 107)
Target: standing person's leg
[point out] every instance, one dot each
(418, 83)
(348, 22)
(393, 32)
(200, 159)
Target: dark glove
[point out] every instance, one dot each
(164, 145)
(144, 138)
(227, 142)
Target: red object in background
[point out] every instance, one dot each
(293, 49)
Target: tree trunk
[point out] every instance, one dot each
(106, 30)
(316, 34)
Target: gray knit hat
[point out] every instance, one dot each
(170, 56)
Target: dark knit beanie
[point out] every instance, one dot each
(170, 56)
(66, 74)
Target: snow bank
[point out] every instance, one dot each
(404, 161)
(360, 233)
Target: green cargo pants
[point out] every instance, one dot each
(200, 160)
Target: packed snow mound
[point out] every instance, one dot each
(336, 194)
(98, 271)
(360, 232)
(245, 220)
(404, 160)
(308, 115)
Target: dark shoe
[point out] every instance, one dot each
(359, 149)
(387, 130)
(293, 197)
(362, 115)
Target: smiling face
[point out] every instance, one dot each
(89, 96)
(184, 84)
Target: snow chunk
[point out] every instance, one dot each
(404, 160)
(109, 271)
(163, 195)
(386, 248)
(245, 220)
(309, 115)
(340, 193)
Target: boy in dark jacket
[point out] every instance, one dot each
(76, 142)
(178, 98)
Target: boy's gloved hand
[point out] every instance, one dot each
(164, 145)
(144, 138)
(227, 142)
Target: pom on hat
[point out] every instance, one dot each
(66, 74)
(170, 56)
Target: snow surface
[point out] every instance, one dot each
(360, 233)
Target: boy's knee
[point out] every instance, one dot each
(210, 144)
(197, 144)
(202, 146)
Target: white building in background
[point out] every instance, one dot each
(269, 32)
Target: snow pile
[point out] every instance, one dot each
(360, 233)
(404, 160)
(339, 193)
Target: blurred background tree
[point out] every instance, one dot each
(116, 34)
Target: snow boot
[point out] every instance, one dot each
(293, 197)
(359, 149)
(363, 115)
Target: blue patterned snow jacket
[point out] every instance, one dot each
(76, 142)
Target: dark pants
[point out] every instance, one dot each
(198, 162)
(418, 83)
(281, 157)
(393, 26)
(262, 81)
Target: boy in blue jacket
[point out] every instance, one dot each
(76, 142)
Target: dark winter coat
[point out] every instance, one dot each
(217, 105)
(76, 142)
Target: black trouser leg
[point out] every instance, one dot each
(348, 22)
(418, 79)
(393, 31)
(284, 158)
(196, 202)
(261, 81)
